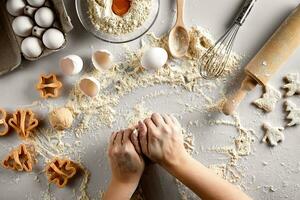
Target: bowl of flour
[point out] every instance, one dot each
(99, 18)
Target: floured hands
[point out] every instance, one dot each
(162, 140)
(126, 163)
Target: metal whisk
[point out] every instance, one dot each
(214, 61)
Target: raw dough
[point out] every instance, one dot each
(273, 135)
(268, 100)
(294, 113)
(293, 85)
(61, 118)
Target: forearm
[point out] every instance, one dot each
(119, 191)
(204, 182)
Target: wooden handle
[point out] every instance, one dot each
(180, 12)
(234, 101)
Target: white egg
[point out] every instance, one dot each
(28, 10)
(89, 86)
(53, 38)
(154, 58)
(32, 47)
(15, 7)
(36, 3)
(44, 17)
(102, 60)
(37, 31)
(22, 26)
(71, 64)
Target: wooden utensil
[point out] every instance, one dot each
(179, 38)
(269, 59)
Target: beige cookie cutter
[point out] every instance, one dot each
(19, 159)
(60, 171)
(23, 122)
(4, 128)
(49, 86)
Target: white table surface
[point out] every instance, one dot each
(283, 168)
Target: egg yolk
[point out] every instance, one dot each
(120, 7)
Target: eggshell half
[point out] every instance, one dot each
(71, 64)
(89, 86)
(102, 60)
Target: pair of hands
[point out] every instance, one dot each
(159, 138)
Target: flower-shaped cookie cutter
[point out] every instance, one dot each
(19, 159)
(49, 86)
(60, 171)
(23, 122)
(4, 128)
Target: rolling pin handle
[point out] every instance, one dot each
(233, 102)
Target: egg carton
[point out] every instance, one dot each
(10, 44)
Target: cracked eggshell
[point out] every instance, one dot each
(53, 38)
(154, 58)
(44, 17)
(102, 60)
(15, 7)
(22, 26)
(89, 86)
(71, 64)
(32, 47)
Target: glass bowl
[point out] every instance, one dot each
(82, 12)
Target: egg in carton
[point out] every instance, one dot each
(12, 34)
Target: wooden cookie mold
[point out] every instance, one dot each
(60, 171)
(49, 86)
(23, 122)
(4, 128)
(19, 159)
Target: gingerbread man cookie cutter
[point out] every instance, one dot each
(49, 86)
(4, 128)
(23, 122)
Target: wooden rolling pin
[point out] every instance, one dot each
(269, 59)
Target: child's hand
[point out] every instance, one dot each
(126, 161)
(162, 140)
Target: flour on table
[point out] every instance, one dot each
(273, 135)
(269, 99)
(293, 85)
(294, 113)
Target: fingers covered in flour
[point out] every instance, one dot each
(142, 129)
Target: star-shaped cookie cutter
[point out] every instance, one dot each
(59, 171)
(19, 159)
(23, 122)
(49, 86)
(4, 128)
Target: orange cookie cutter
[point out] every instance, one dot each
(60, 171)
(4, 128)
(49, 86)
(19, 159)
(23, 122)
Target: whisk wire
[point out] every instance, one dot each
(213, 62)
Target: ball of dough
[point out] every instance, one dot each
(61, 118)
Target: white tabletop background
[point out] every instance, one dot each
(283, 169)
